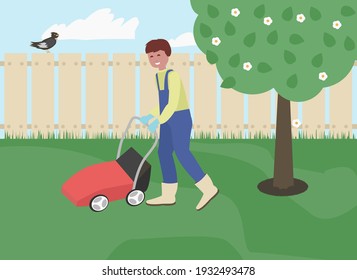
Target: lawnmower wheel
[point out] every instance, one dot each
(99, 203)
(135, 197)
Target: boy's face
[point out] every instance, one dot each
(158, 59)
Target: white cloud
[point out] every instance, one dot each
(184, 40)
(99, 25)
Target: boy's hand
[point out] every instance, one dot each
(153, 126)
(146, 119)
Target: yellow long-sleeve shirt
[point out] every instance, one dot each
(177, 96)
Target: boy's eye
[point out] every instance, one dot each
(158, 54)
(151, 56)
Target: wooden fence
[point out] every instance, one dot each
(124, 72)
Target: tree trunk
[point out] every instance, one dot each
(283, 165)
(283, 183)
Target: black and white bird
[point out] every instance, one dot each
(47, 43)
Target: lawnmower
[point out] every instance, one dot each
(127, 176)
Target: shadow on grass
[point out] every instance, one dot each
(199, 248)
(331, 193)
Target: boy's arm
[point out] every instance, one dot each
(155, 111)
(174, 96)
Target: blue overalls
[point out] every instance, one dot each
(175, 137)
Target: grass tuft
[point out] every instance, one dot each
(196, 135)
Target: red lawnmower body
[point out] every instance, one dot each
(107, 178)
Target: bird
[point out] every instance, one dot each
(46, 44)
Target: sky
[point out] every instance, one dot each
(129, 25)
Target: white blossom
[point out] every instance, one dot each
(300, 18)
(235, 12)
(268, 21)
(323, 76)
(296, 123)
(337, 24)
(247, 66)
(216, 41)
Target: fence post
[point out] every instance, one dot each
(313, 118)
(259, 123)
(15, 95)
(341, 108)
(232, 113)
(42, 95)
(69, 95)
(180, 62)
(205, 120)
(124, 68)
(97, 95)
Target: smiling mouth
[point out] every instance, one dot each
(157, 63)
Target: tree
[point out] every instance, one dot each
(294, 47)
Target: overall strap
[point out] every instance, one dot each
(157, 81)
(166, 82)
(167, 79)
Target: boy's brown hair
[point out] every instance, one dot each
(158, 45)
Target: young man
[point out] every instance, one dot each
(174, 117)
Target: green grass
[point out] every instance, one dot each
(40, 223)
(201, 135)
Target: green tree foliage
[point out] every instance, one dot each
(295, 47)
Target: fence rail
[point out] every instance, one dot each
(43, 73)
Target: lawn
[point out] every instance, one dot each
(38, 222)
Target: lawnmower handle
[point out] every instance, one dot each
(147, 154)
